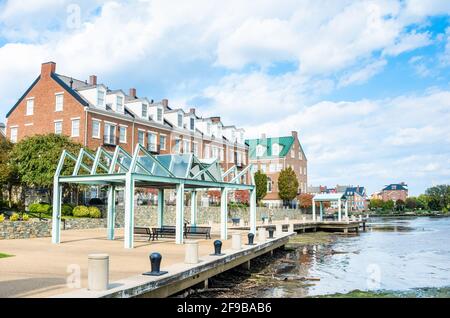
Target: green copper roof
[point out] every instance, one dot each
(285, 144)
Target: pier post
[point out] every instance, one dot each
(321, 211)
(160, 207)
(346, 210)
(314, 210)
(286, 220)
(278, 230)
(253, 211)
(191, 252)
(291, 228)
(129, 211)
(236, 242)
(98, 272)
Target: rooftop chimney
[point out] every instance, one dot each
(294, 134)
(93, 80)
(132, 92)
(263, 136)
(165, 102)
(47, 69)
(192, 111)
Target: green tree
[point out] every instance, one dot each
(375, 204)
(400, 205)
(261, 185)
(8, 171)
(411, 203)
(439, 196)
(423, 201)
(388, 205)
(36, 159)
(287, 184)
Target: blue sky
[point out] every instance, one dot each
(365, 83)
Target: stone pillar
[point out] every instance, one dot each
(111, 216)
(160, 207)
(191, 252)
(194, 207)
(261, 235)
(236, 242)
(179, 218)
(223, 214)
(98, 272)
(278, 230)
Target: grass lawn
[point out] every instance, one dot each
(3, 255)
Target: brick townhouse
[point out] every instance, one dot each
(394, 192)
(271, 155)
(94, 115)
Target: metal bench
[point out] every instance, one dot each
(143, 231)
(165, 231)
(197, 231)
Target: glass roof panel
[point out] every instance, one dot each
(181, 165)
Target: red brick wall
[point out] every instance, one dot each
(394, 195)
(44, 113)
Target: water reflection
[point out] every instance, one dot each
(396, 254)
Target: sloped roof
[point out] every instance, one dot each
(359, 190)
(396, 186)
(329, 196)
(285, 143)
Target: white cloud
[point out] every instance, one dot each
(362, 75)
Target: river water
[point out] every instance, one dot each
(395, 254)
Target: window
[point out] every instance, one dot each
(58, 127)
(30, 107)
(75, 128)
(177, 146)
(141, 137)
(215, 152)
(119, 104)
(162, 142)
(14, 132)
(195, 148)
(300, 155)
(101, 98)
(95, 129)
(231, 156)
(123, 134)
(244, 158)
(109, 136)
(180, 120)
(292, 154)
(264, 168)
(151, 140)
(59, 103)
(279, 167)
(159, 114)
(269, 185)
(260, 150)
(272, 167)
(221, 154)
(186, 146)
(144, 111)
(276, 149)
(192, 123)
(304, 171)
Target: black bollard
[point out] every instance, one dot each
(251, 237)
(271, 233)
(217, 248)
(155, 262)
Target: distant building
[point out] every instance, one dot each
(357, 198)
(394, 192)
(271, 155)
(317, 189)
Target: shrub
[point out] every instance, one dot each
(66, 209)
(40, 208)
(80, 211)
(25, 217)
(2, 218)
(14, 217)
(94, 212)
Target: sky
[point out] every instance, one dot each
(365, 83)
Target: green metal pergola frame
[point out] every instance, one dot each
(130, 171)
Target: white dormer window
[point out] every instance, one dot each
(260, 150)
(101, 98)
(159, 114)
(192, 123)
(180, 120)
(276, 148)
(119, 104)
(144, 111)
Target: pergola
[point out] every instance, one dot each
(330, 197)
(182, 172)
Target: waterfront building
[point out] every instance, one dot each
(2, 131)
(394, 192)
(92, 114)
(273, 154)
